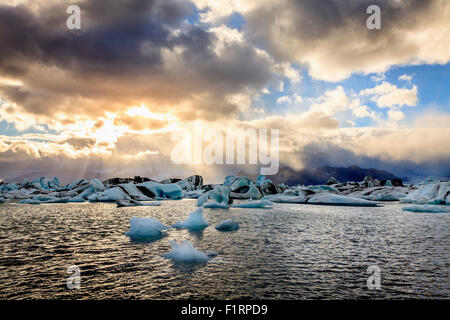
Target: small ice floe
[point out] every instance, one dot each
(145, 228)
(185, 252)
(256, 204)
(228, 225)
(426, 208)
(29, 201)
(216, 205)
(194, 221)
(134, 203)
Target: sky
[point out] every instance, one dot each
(105, 100)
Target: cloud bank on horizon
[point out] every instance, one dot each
(104, 100)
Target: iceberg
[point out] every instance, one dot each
(331, 181)
(255, 204)
(58, 200)
(279, 198)
(97, 185)
(388, 183)
(185, 252)
(110, 195)
(430, 192)
(216, 205)
(29, 201)
(244, 188)
(266, 186)
(132, 190)
(426, 208)
(228, 225)
(194, 221)
(202, 200)
(134, 203)
(191, 183)
(144, 228)
(169, 190)
(339, 200)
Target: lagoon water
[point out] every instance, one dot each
(292, 251)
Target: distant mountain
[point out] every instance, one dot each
(320, 175)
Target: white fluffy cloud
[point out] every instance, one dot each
(389, 95)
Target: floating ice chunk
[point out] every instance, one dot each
(169, 190)
(29, 201)
(42, 197)
(201, 200)
(185, 252)
(78, 198)
(134, 203)
(255, 204)
(227, 225)
(132, 190)
(425, 208)
(323, 188)
(382, 197)
(441, 194)
(58, 200)
(290, 192)
(229, 180)
(279, 198)
(109, 195)
(97, 185)
(194, 221)
(339, 200)
(388, 183)
(191, 183)
(216, 205)
(244, 188)
(142, 228)
(331, 180)
(422, 194)
(195, 194)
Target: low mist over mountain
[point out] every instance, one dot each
(320, 175)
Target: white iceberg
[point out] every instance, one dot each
(429, 192)
(255, 204)
(142, 228)
(425, 208)
(185, 252)
(228, 225)
(339, 200)
(279, 198)
(194, 221)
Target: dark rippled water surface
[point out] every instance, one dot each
(289, 252)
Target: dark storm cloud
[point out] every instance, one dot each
(117, 60)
